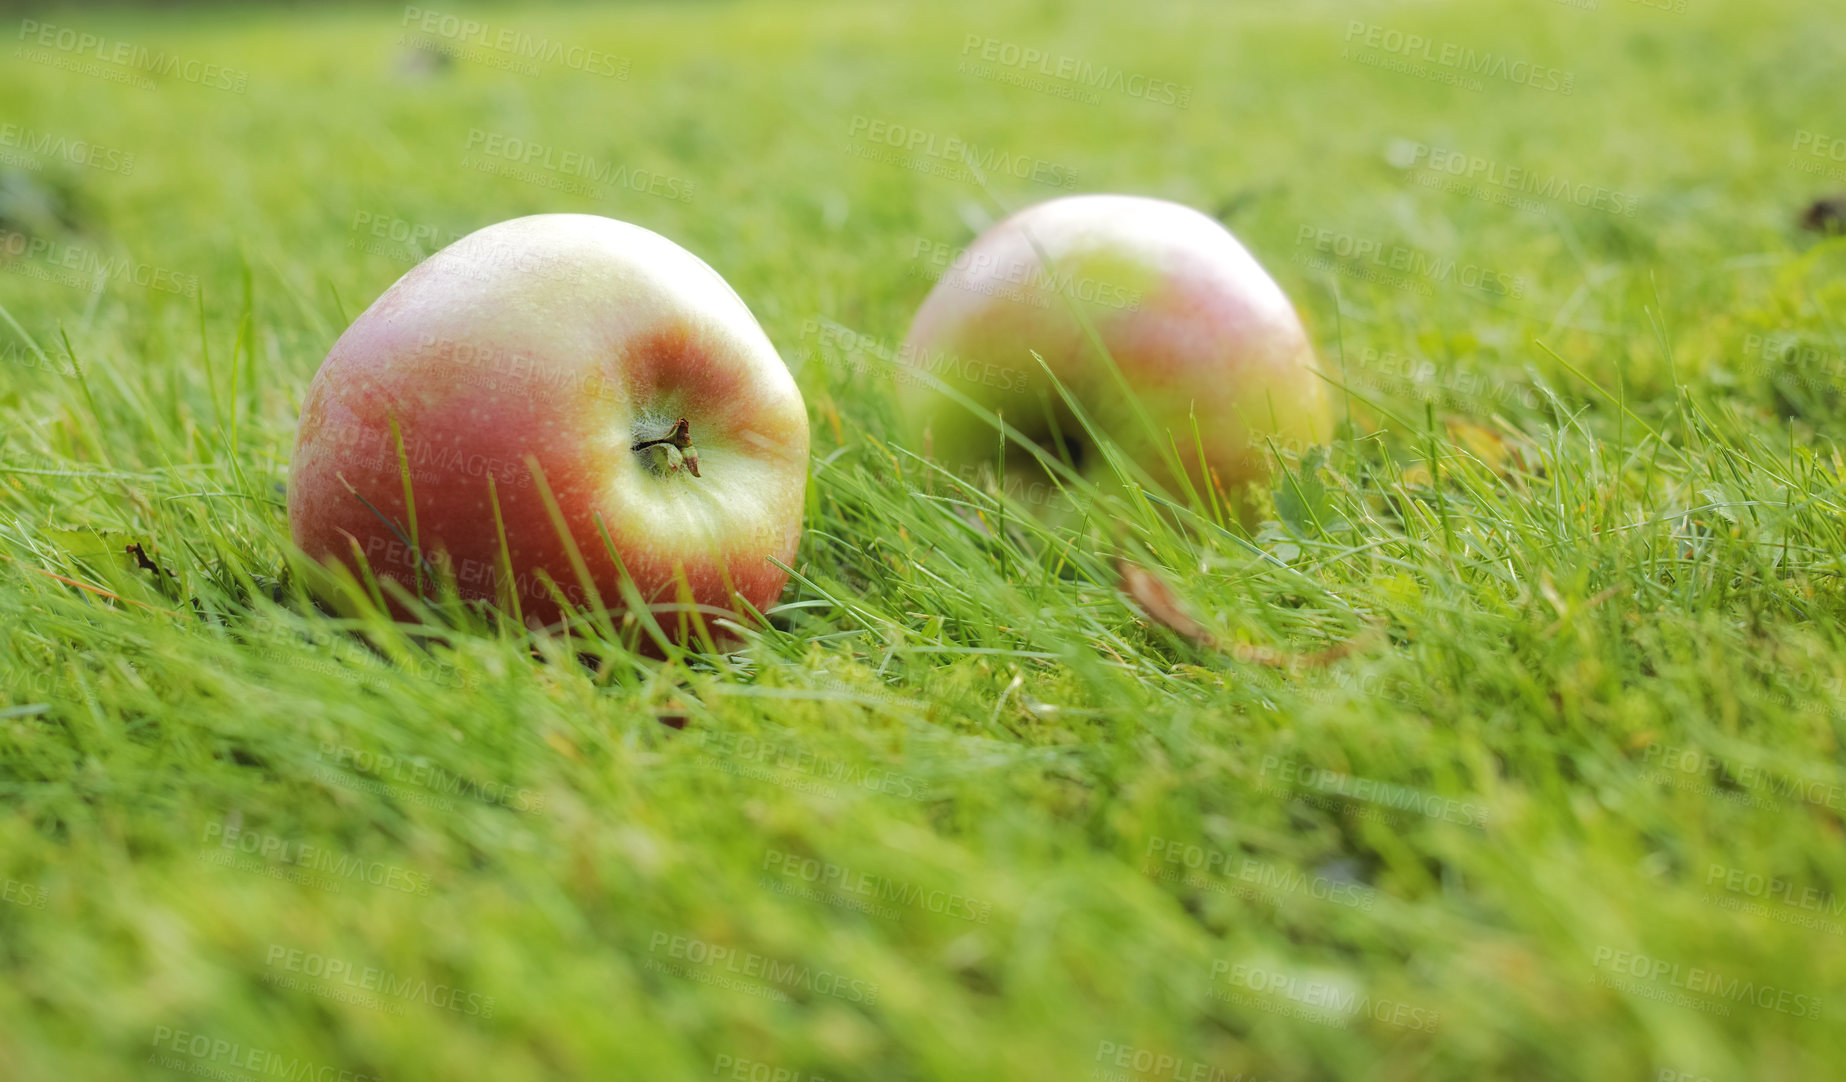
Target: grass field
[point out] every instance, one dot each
(1513, 751)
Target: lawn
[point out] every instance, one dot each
(1502, 740)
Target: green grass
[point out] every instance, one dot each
(1588, 553)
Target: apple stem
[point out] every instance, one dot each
(667, 453)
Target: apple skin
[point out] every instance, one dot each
(1195, 325)
(563, 341)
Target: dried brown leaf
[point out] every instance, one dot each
(1157, 600)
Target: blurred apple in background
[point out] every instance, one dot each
(617, 362)
(1196, 328)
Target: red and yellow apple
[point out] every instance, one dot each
(1211, 364)
(558, 370)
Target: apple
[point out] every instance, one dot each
(1211, 362)
(557, 369)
